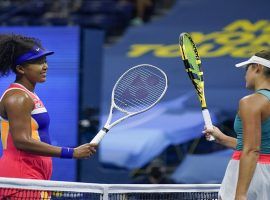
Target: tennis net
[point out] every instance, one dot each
(26, 189)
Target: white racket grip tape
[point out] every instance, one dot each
(208, 122)
(96, 140)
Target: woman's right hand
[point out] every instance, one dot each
(84, 151)
(215, 132)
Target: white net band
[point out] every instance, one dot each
(36, 189)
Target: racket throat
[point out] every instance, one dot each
(105, 129)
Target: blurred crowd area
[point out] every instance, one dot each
(113, 16)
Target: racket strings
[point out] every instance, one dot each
(192, 63)
(195, 70)
(140, 88)
(133, 90)
(123, 88)
(137, 103)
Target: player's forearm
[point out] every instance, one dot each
(228, 141)
(247, 167)
(38, 148)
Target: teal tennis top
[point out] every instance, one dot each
(265, 135)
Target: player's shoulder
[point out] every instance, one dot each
(16, 97)
(254, 100)
(253, 97)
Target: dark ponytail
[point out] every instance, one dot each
(11, 47)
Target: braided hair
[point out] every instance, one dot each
(11, 47)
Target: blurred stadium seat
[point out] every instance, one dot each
(109, 15)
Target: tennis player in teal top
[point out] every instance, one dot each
(248, 172)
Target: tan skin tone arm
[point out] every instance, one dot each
(220, 137)
(18, 106)
(251, 117)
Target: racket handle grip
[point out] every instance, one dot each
(208, 122)
(96, 140)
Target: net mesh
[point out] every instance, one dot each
(165, 196)
(10, 194)
(17, 189)
(139, 88)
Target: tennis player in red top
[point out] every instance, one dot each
(27, 149)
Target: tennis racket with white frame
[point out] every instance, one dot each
(192, 62)
(136, 91)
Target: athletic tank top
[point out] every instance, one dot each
(265, 134)
(39, 120)
(20, 164)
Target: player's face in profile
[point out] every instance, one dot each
(36, 70)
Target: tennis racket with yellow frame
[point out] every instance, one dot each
(192, 62)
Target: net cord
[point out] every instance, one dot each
(104, 189)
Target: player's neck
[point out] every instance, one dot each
(28, 85)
